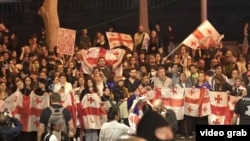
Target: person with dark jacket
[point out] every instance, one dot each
(11, 133)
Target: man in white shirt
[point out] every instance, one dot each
(112, 130)
(141, 39)
(63, 87)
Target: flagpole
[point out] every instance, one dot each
(165, 58)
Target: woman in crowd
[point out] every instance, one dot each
(3, 91)
(90, 87)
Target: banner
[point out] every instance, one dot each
(66, 41)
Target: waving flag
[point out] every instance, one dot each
(119, 39)
(205, 35)
(93, 54)
(27, 108)
(90, 112)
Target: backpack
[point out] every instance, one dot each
(57, 112)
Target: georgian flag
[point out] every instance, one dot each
(90, 112)
(204, 35)
(173, 98)
(94, 53)
(197, 102)
(119, 39)
(222, 106)
(27, 108)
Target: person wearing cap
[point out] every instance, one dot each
(153, 127)
(55, 131)
(55, 100)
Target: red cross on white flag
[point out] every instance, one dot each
(204, 35)
(119, 39)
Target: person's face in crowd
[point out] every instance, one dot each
(157, 27)
(158, 57)
(44, 50)
(107, 92)
(182, 77)
(1, 58)
(169, 28)
(142, 56)
(84, 32)
(218, 70)
(41, 85)
(44, 70)
(162, 73)
(201, 77)
(6, 56)
(36, 64)
(60, 68)
(75, 84)
(174, 69)
(214, 62)
(235, 73)
(146, 79)
(201, 64)
(43, 75)
(176, 59)
(153, 72)
(138, 75)
(2, 87)
(183, 50)
(164, 133)
(14, 54)
(193, 70)
(229, 53)
(34, 40)
(143, 69)
(71, 65)
(140, 29)
(120, 83)
(27, 81)
(69, 71)
(20, 85)
(152, 59)
(81, 81)
(132, 61)
(101, 62)
(153, 34)
(101, 38)
(89, 83)
(98, 77)
(132, 74)
(238, 82)
(63, 79)
(56, 80)
(189, 61)
(34, 76)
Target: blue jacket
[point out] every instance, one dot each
(12, 133)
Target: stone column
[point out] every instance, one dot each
(144, 14)
(203, 10)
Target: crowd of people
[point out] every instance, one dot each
(32, 68)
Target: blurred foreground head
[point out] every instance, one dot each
(157, 105)
(153, 127)
(130, 138)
